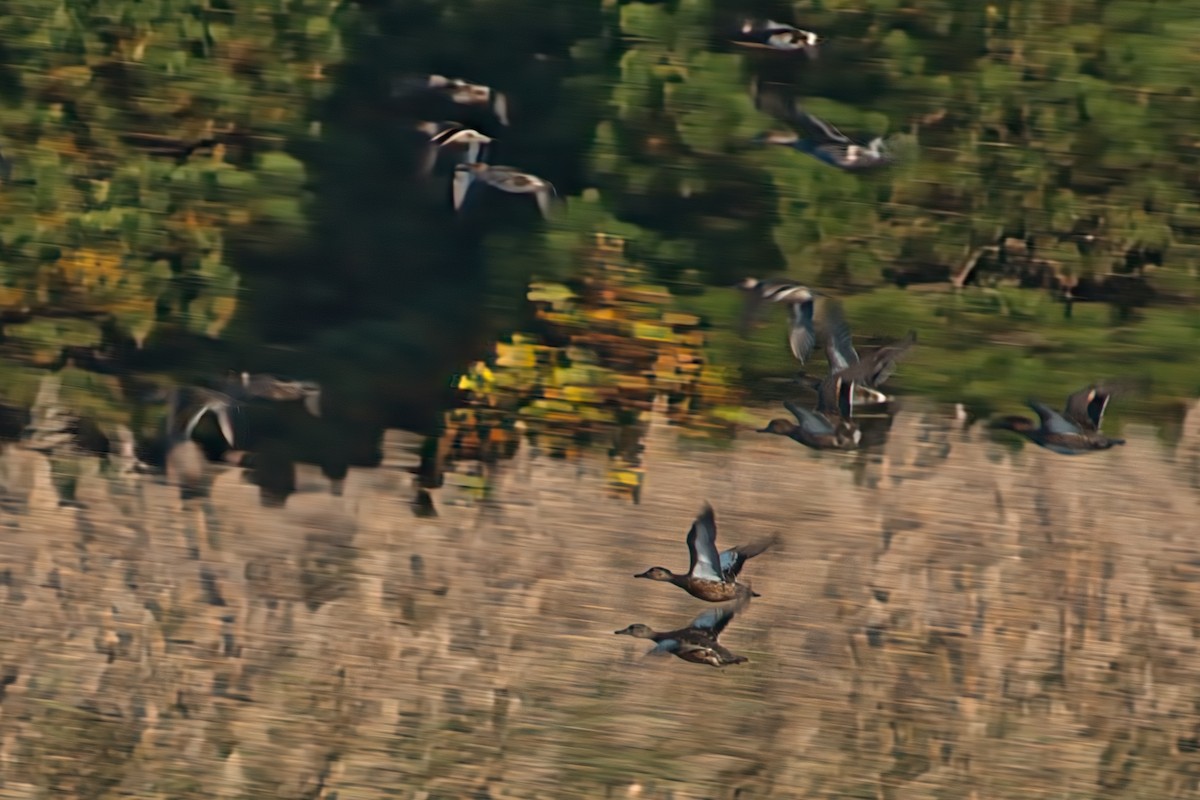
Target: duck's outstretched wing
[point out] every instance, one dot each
(507, 179)
(715, 620)
(801, 334)
(463, 178)
(500, 107)
(1086, 407)
(733, 559)
(544, 197)
(705, 562)
(1052, 421)
(815, 128)
(665, 647)
(188, 407)
(810, 421)
(839, 343)
(883, 361)
(836, 393)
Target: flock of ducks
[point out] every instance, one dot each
(854, 381)
(851, 381)
(470, 149)
(712, 576)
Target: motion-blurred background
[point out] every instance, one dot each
(189, 189)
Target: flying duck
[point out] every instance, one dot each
(458, 91)
(451, 135)
(506, 179)
(697, 642)
(248, 386)
(814, 429)
(868, 373)
(1075, 431)
(799, 300)
(711, 576)
(777, 36)
(818, 138)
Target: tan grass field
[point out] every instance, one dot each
(950, 620)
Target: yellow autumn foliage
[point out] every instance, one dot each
(89, 271)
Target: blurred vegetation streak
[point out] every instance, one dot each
(610, 343)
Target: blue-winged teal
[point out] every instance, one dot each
(799, 300)
(816, 137)
(452, 135)
(506, 179)
(697, 642)
(814, 429)
(777, 36)
(868, 373)
(248, 386)
(457, 91)
(711, 576)
(1075, 431)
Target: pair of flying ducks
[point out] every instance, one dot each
(712, 576)
(470, 147)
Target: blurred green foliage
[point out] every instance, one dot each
(108, 219)
(303, 242)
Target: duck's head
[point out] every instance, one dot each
(656, 574)
(780, 426)
(639, 630)
(746, 283)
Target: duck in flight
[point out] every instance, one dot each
(800, 302)
(189, 405)
(259, 386)
(506, 179)
(868, 374)
(711, 576)
(458, 91)
(814, 429)
(471, 143)
(1075, 431)
(697, 642)
(777, 36)
(812, 135)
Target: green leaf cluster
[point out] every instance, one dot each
(112, 215)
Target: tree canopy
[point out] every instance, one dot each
(238, 179)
